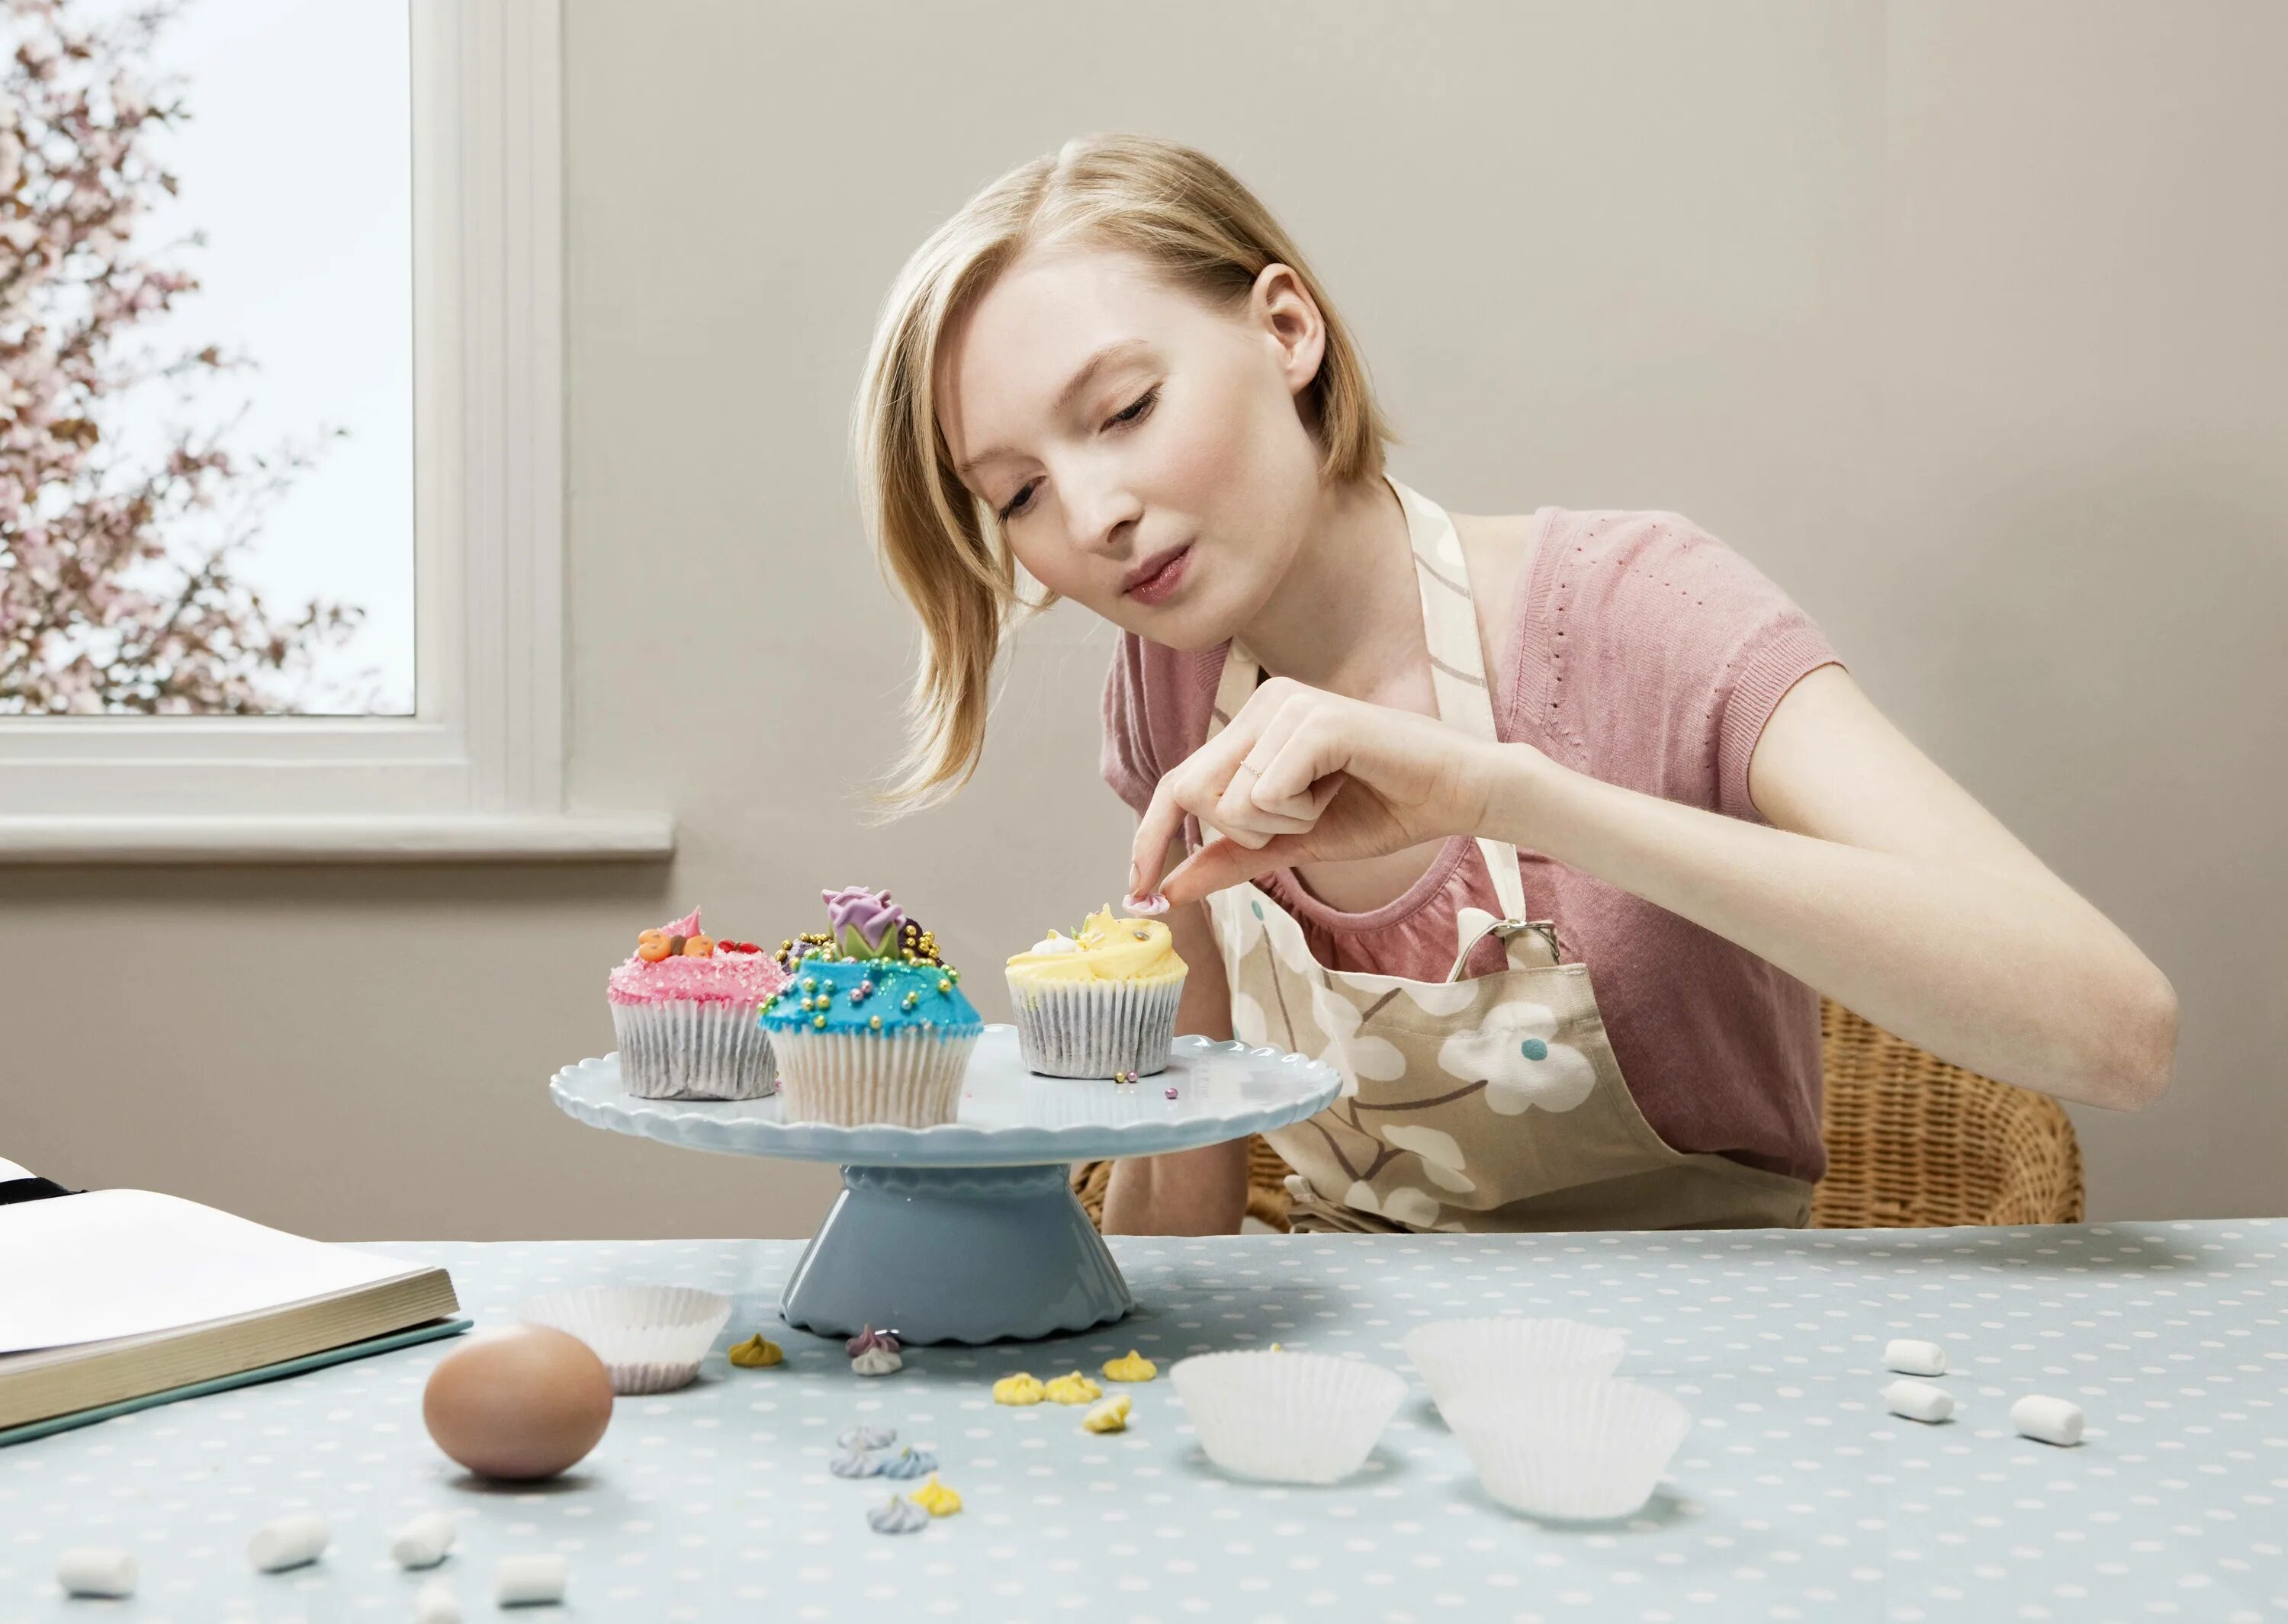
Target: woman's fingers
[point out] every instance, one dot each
(1244, 805)
(1212, 785)
(1297, 764)
(1191, 788)
(1221, 863)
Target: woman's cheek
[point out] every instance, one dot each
(1052, 567)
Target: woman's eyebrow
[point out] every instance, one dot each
(1119, 350)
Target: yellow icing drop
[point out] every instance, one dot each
(1135, 1368)
(1074, 1389)
(755, 1353)
(934, 1498)
(1018, 1389)
(1110, 1416)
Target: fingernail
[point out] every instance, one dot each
(1135, 873)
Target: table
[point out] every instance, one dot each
(1795, 1497)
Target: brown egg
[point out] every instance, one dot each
(522, 1402)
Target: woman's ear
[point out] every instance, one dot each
(1284, 309)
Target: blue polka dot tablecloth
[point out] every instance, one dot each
(1795, 1496)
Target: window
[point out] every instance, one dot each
(239, 632)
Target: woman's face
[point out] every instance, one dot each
(1145, 451)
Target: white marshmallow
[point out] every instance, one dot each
(90, 1570)
(424, 1541)
(522, 1579)
(1915, 1358)
(435, 1603)
(289, 1542)
(1919, 1400)
(2048, 1421)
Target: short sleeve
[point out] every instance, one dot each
(1156, 704)
(1129, 763)
(1667, 651)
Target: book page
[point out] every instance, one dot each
(123, 1263)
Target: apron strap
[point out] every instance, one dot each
(1457, 670)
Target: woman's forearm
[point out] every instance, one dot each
(2021, 983)
(1186, 1192)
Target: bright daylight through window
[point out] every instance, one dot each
(206, 359)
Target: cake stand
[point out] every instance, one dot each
(969, 1232)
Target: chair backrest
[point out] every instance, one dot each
(1915, 1143)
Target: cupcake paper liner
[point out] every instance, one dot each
(651, 1338)
(685, 1050)
(1095, 1028)
(1287, 1417)
(1572, 1449)
(906, 1080)
(1463, 1360)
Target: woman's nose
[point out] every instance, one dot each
(1102, 519)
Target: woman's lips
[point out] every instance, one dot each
(1161, 577)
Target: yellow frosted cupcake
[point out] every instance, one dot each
(1101, 1003)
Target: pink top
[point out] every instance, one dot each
(1646, 654)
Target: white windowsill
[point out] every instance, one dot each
(450, 839)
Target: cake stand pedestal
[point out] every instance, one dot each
(969, 1232)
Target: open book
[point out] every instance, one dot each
(117, 1297)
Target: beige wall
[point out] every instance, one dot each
(1963, 322)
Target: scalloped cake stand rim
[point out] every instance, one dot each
(731, 1128)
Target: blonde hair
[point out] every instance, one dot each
(1175, 207)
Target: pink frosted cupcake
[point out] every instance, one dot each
(687, 1011)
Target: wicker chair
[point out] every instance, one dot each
(1913, 1142)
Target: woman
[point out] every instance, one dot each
(1436, 772)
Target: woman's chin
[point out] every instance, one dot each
(1185, 627)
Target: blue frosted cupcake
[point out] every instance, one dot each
(872, 1026)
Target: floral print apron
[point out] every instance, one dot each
(1491, 1103)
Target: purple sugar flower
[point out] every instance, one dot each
(868, 1339)
(865, 923)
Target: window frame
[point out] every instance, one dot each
(478, 770)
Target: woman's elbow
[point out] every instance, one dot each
(2146, 1053)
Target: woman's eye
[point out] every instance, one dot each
(1143, 405)
(1016, 504)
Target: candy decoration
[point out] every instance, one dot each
(1074, 1389)
(1110, 1416)
(756, 1353)
(1135, 1368)
(866, 924)
(868, 1337)
(935, 1497)
(698, 947)
(896, 1516)
(1022, 1388)
(651, 946)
